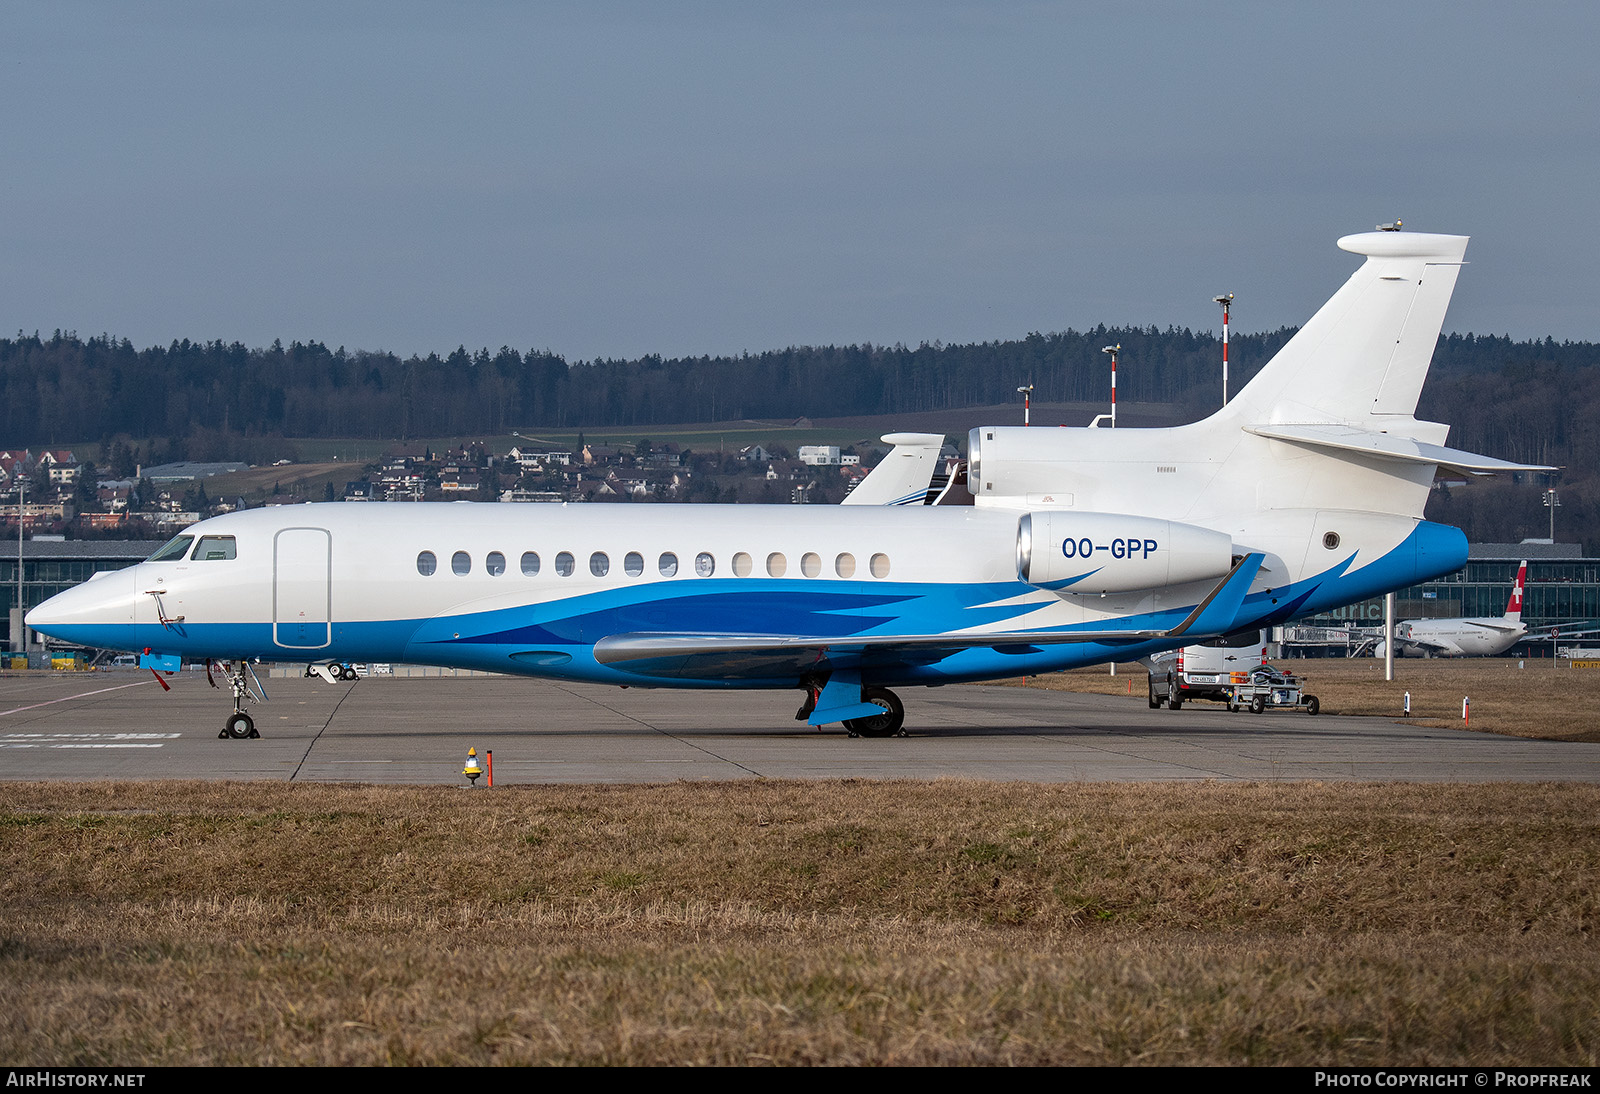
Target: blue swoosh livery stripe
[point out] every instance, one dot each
(556, 637)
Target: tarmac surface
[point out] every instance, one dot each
(121, 725)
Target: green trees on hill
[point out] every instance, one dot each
(1534, 401)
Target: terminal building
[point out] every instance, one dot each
(52, 566)
(1562, 591)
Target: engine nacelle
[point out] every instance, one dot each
(1106, 553)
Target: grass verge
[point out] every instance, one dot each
(846, 922)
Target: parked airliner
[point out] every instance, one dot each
(1304, 493)
(1485, 636)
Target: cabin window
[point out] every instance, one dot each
(495, 563)
(214, 547)
(175, 549)
(565, 564)
(599, 564)
(668, 564)
(704, 564)
(530, 564)
(845, 565)
(633, 564)
(461, 563)
(427, 563)
(880, 565)
(810, 564)
(742, 564)
(777, 565)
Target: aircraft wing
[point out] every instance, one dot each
(1502, 628)
(690, 655)
(1544, 634)
(1424, 644)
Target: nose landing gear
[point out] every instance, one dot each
(239, 726)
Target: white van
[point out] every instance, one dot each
(1205, 670)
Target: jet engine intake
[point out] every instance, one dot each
(1109, 553)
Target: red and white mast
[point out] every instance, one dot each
(1113, 350)
(1226, 300)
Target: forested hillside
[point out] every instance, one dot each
(65, 388)
(1533, 401)
(1525, 399)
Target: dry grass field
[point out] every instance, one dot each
(1559, 704)
(799, 923)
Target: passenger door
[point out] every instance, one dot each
(302, 588)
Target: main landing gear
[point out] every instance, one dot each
(240, 676)
(332, 671)
(887, 724)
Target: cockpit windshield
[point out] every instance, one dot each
(214, 547)
(173, 550)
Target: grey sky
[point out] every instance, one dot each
(617, 179)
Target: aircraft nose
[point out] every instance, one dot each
(99, 612)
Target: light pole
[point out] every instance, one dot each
(1226, 300)
(1027, 399)
(1113, 351)
(19, 640)
(1552, 503)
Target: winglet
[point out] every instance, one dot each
(1217, 613)
(903, 476)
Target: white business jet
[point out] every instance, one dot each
(1083, 545)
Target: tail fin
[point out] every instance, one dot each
(1362, 359)
(1514, 606)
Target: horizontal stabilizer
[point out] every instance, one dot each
(1388, 446)
(1490, 625)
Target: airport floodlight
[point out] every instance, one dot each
(1113, 351)
(1026, 391)
(1392, 227)
(1226, 300)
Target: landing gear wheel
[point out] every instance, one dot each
(239, 727)
(1258, 704)
(1312, 706)
(346, 672)
(886, 724)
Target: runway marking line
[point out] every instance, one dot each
(86, 740)
(80, 695)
